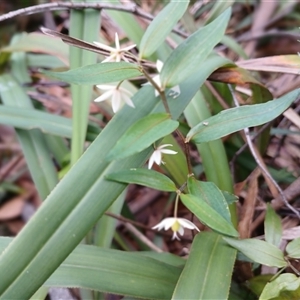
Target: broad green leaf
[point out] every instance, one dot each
(144, 177)
(259, 251)
(273, 228)
(207, 272)
(284, 282)
(293, 248)
(187, 58)
(114, 271)
(161, 26)
(235, 119)
(207, 215)
(142, 134)
(210, 193)
(98, 73)
(25, 118)
(257, 284)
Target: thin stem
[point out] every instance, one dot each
(176, 204)
(160, 91)
(263, 169)
(187, 152)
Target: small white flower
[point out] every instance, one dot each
(177, 225)
(116, 54)
(174, 91)
(117, 94)
(156, 156)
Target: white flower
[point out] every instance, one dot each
(116, 54)
(177, 225)
(156, 156)
(117, 94)
(175, 91)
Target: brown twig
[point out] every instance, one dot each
(132, 8)
(264, 170)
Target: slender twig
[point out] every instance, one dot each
(263, 169)
(142, 238)
(125, 220)
(159, 90)
(132, 8)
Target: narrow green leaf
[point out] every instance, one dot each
(161, 26)
(98, 73)
(208, 270)
(144, 177)
(84, 25)
(36, 152)
(273, 228)
(30, 119)
(189, 55)
(142, 134)
(211, 194)
(207, 215)
(259, 251)
(40, 43)
(235, 119)
(284, 282)
(114, 271)
(293, 248)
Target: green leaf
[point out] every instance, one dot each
(273, 228)
(235, 119)
(161, 26)
(33, 119)
(189, 55)
(33, 143)
(284, 282)
(40, 43)
(293, 248)
(98, 73)
(142, 134)
(207, 215)
(144, 177)
(230, 198)
(84, 25)
(81, 197)
(211, 194)
(114, 271)
(259, 251)
(208, 270)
